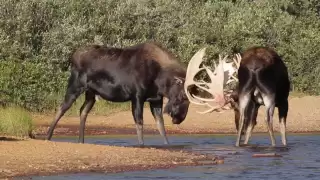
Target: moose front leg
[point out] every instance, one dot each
(137, 112)
(156, 110)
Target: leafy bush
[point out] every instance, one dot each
(36, 37)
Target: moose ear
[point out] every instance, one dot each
(179, 80)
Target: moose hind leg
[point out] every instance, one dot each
(270, 106)
(137, 112)
(74, 90)
(84, 111)
(243, 103)
(156, 110)
(283, 112)
(252, 120)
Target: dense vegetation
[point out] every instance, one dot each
(36, 37)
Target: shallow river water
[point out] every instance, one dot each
(300, 160)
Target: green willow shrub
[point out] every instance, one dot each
(37, 37)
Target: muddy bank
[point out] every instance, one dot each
(38, 157)
(73, 130)
(303, 117)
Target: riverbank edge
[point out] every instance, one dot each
(92, 130)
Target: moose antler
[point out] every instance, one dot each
(218, 77)
(231, 69)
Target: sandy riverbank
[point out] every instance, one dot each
(38, 157)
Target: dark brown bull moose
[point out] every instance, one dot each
(140, 73)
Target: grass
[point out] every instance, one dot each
(101, 107)
(296, 94)
(107, 108)
(15, 121)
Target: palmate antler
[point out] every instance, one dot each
(231, 69)
(221, 76)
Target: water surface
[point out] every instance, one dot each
(300, 160)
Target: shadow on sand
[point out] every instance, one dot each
(9, 139)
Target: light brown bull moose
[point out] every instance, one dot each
(262, 79)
